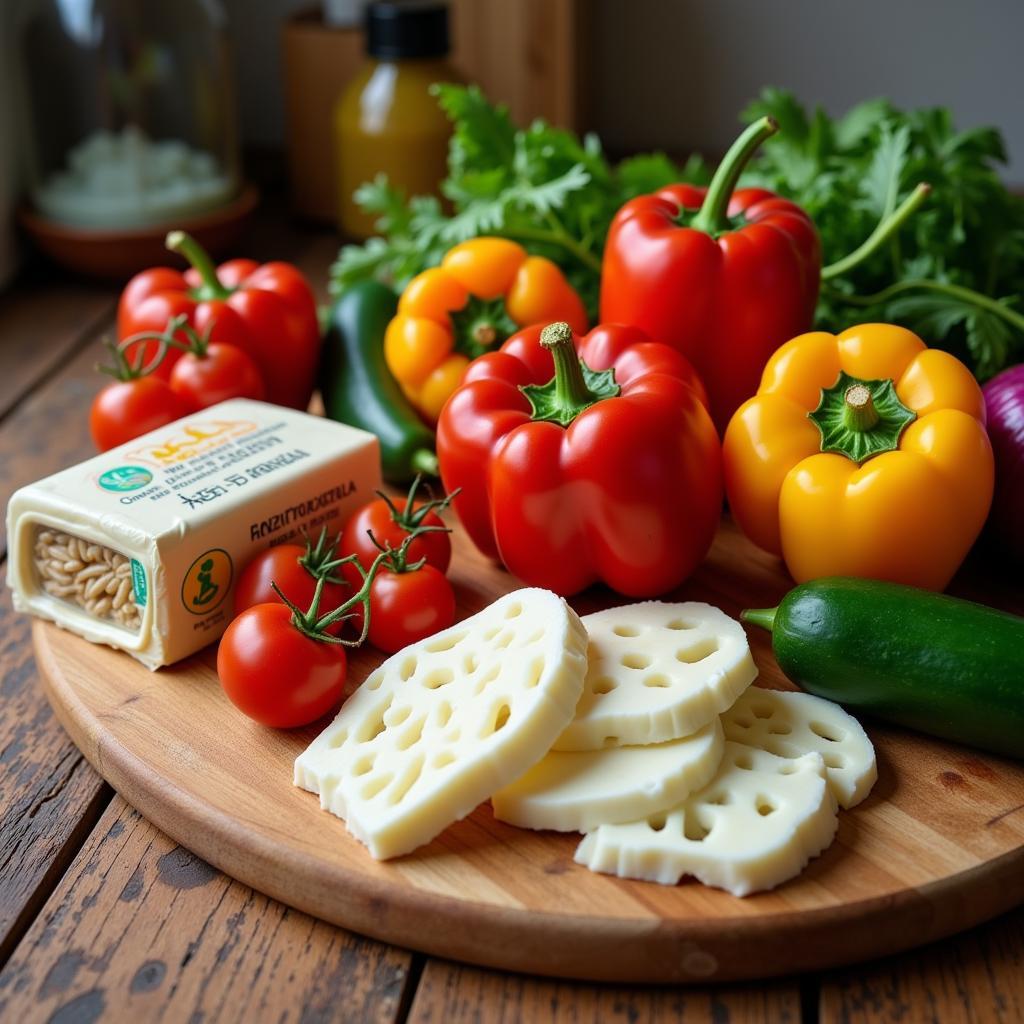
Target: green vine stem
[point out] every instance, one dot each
(954, 291)
(886, 228)
(713, 215)
(558, 238)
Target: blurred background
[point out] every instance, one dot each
(213, 95)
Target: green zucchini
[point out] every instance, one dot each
(947, 667)
(357, 386)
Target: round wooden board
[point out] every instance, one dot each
(937, 847)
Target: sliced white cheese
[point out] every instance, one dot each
(657, 672)
(443, 724)
(755, 825)
(577, 790)
(792, 724)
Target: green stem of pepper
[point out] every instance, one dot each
(199, 258)
(713, 216)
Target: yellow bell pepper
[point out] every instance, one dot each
(862, 454)
(483, 291)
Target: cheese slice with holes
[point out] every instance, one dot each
(755, 825)
(577, 790)
(792, 724)
(446, 722)
(657, 672)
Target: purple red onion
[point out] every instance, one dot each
(1004, 403)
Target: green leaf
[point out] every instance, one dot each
(881, 183)
(858, 124)
(786, 109)
(639, 175)
(991, 341)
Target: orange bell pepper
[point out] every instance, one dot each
(484, 291)
(862, 454)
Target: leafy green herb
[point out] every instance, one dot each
(953, 272)
(542, 186)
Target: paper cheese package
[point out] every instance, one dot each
(140, 547)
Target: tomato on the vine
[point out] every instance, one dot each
(127, 409)
(392, 521)
(215, 373)
(275, 673)
(294, 568)
(408, 606)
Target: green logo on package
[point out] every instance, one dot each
(207, 582)
(139, 582)
(125, 478)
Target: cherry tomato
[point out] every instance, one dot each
(282, 565)
(274, 673)
(408, 606)
(126, 409)
(215, 375)
(379, 517)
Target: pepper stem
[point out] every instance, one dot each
(763, 617)
(574, 387)
(713, 215)
(859, 412)
(199, 258)
(571, 391)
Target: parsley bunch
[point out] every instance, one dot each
(954, 271)
(951, 270)
(540, 186)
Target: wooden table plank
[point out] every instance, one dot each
(140, 929)
(451, 993)
(973, 978)
(49, 795)
(41, 325)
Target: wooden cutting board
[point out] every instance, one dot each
(937, 847)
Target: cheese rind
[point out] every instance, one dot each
(792, 724)
(443, 724)
(755, 825)
(575, 791)
(657, 672)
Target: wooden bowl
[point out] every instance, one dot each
(118, 253)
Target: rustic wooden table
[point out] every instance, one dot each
(104, 918)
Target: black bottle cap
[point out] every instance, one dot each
(406, 28)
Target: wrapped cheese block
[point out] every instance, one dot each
(139, 548)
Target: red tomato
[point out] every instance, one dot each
(126, 409)
(219, 373)
(377, 516)
(282, 566)
(274, 673)
(408, 606)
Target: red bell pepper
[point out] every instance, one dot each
(268, 311)
(609, 471)
(724, 276)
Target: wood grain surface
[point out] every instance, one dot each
(142, 929)
(978, 978)
(937, 847)
(451, 992)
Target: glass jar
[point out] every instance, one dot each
(128, 109)
(387, 121)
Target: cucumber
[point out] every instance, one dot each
(946, 667)
(357, 387)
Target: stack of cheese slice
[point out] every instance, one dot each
(645, 771)
(636, 726)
